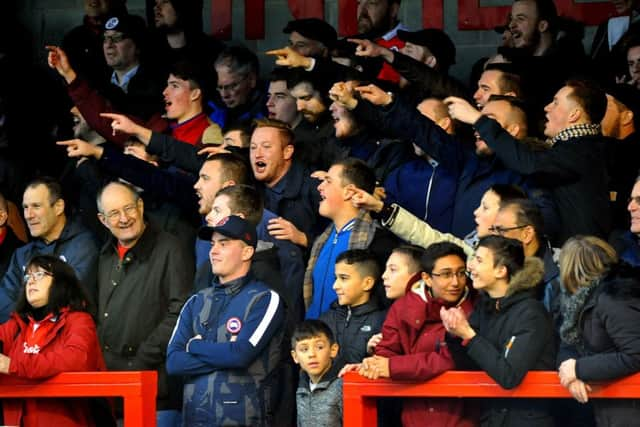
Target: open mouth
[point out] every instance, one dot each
(260, 166)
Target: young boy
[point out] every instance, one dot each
(402, 270)
(319, 394)
(358, 314)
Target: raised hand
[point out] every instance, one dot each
(58, 60)
(363, 200)
(288, 57)
(282, 229)
(79, 148)
(372, 50)
(375, 95)
(461, 110)
(343, 94)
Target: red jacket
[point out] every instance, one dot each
(71, 345)
(413, 338)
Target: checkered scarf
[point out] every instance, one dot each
(577, 131)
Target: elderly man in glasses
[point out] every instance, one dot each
(240, 95)
(627, 243)
(143, 280)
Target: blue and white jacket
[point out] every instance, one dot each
(227, 343)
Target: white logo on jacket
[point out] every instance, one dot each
(35, 349)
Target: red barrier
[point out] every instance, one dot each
(359, 393)
(138, 389)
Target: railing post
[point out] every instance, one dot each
(358, 410)
(140, 408)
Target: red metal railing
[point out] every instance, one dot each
(359, 393)
(138, 389)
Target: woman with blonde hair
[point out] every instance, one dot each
(599, 332)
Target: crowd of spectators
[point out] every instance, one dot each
(252, 237)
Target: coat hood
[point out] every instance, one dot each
(622, 282)
(528, 277)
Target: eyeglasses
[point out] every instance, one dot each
(36, 276)
(113, 39)
(448, 275)
(114, 215)
(634, 199)
(498, 229)
(231, 87)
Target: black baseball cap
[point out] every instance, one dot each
(131, 26)
(437, 41)
(234, 227)
(314, 29)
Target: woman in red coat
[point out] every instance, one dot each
(413, 337)
(50, 332)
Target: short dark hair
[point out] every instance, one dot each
(356, 172)
(508, 192)
(239, 59)
(527, 213)
(245, 200)
(309, 329)
(65, 291)
(590, 96)
(510, 79)
(364, 261)
(53, 187)
(506, 252)
(547, 12)
(279, 74)
(513, 101)
(322, 86)
(413, 254)
(439, 250)
(234, 168)
(194, 73)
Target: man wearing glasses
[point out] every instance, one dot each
(627, 244)
(522, 220)
(143, 280)
(52, 233)
(242, 96)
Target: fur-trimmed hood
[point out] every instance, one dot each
(528, 278)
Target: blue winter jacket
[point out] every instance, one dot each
(227, 343)
(76, 246)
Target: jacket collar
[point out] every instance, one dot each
(143, 247)
(232, 287)
(326, 379)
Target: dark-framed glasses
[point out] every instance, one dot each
(448, 275)
(500, 230)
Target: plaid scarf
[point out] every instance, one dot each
(572, 307)
(577, 131)
(362, 234)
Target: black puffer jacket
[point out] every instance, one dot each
(353, 326)
(513, 337)
(611, 341)
(609, 324)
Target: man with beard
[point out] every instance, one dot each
(289, 191)
(311, 94)
(179, 35)
(620, 126)
(476, 171)
(378, 21)
(574, 168)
